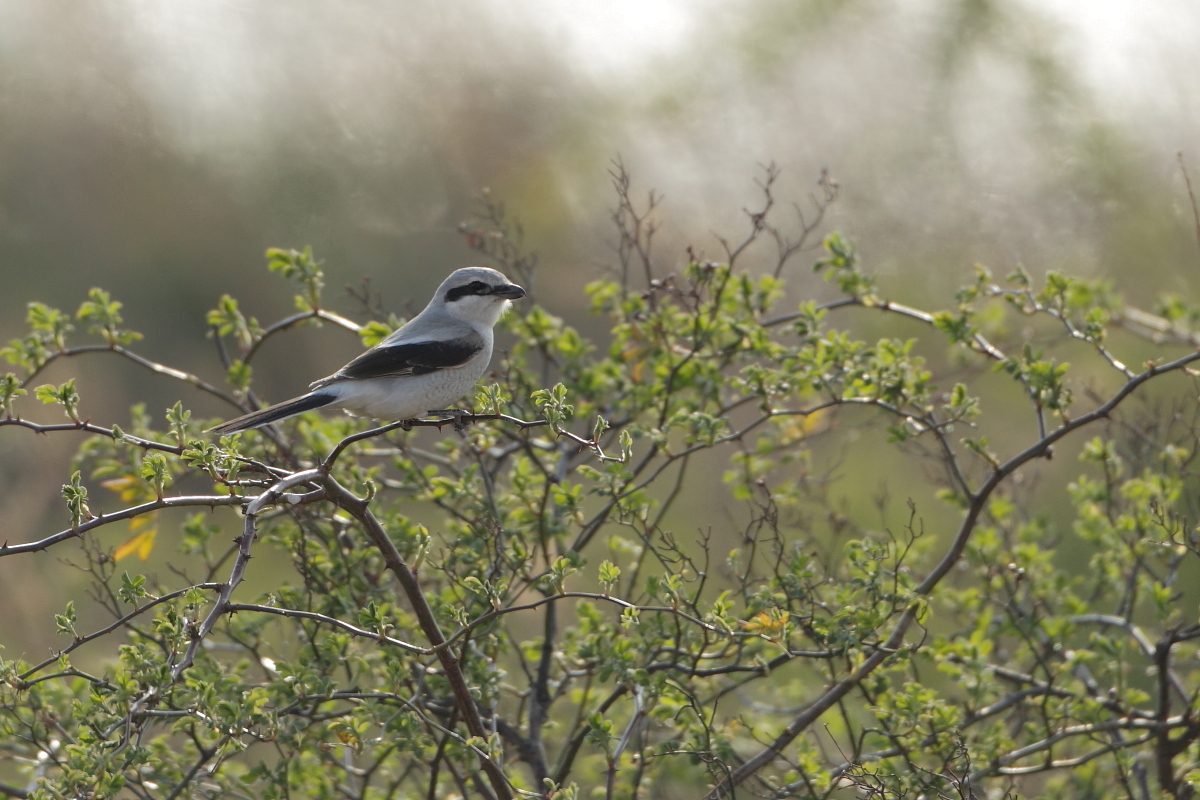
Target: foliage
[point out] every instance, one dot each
(526, 608)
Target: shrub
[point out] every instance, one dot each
(527, 602)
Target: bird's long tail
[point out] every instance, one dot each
(288, 408)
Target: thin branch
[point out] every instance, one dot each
(949, 559)
(1002, 764)
(539, 694)
(567, 757)
(87, 427)
(82, 640)
(212, 501)
(296, 319)
(979, 342)
(1155, 328)
(249, 532)
(461, 419)
(1037, 450)
(818, 707)
(787, 247)
(327, 464)
(324, 619)
(244, 541)
(498, 612)
(1187, 179)
(142, 361)
(1143, 642)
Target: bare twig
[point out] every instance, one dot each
(141, 361)
(119, 622)
(211, 501)
(87, 427)
(1191, 194)
(324, 619)
(297, 319)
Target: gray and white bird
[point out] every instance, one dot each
(425, 365)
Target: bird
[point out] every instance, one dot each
(425, 365)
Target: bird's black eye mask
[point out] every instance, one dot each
(472, 288)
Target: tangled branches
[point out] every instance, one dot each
(512, 603)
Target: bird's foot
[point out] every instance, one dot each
(461, 418)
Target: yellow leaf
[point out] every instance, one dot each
(814, 421)
(127, 487)
(633, 355)
(117, 484)
(141, 543)
(139, 522)
(765, 623)
(808, 423)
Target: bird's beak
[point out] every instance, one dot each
(510, 292)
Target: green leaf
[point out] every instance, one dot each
(64, 395)
(10, 389)
(373, 333)
(66, 621)
(301, 267)
(609, 575)
(155, 472)
(102, 315)
(52, 324)
(554, 406)
(76, 494)
(177, 418)
(490, 399)
(238, 374)
(132, 588)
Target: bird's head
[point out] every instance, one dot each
(477, 294)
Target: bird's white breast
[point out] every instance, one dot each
(411, 396)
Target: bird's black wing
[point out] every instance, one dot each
(410, 358)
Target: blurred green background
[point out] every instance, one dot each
(157, 148)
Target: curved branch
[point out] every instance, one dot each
(979, 342)
(12, 791)
(253, 509)
(493, 614)
(818, 707)
(88, 427)
(249, 531)
(212, 501)
(1037, 450)
(1155, 328)
(296, 319)
(142, 361)
(82, 640)
(1001, 764)
(467, 708)
(459, 419)
(324, 619)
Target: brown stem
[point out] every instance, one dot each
(360, 510)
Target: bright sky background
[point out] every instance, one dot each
(1123, 42)
(616, 35)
